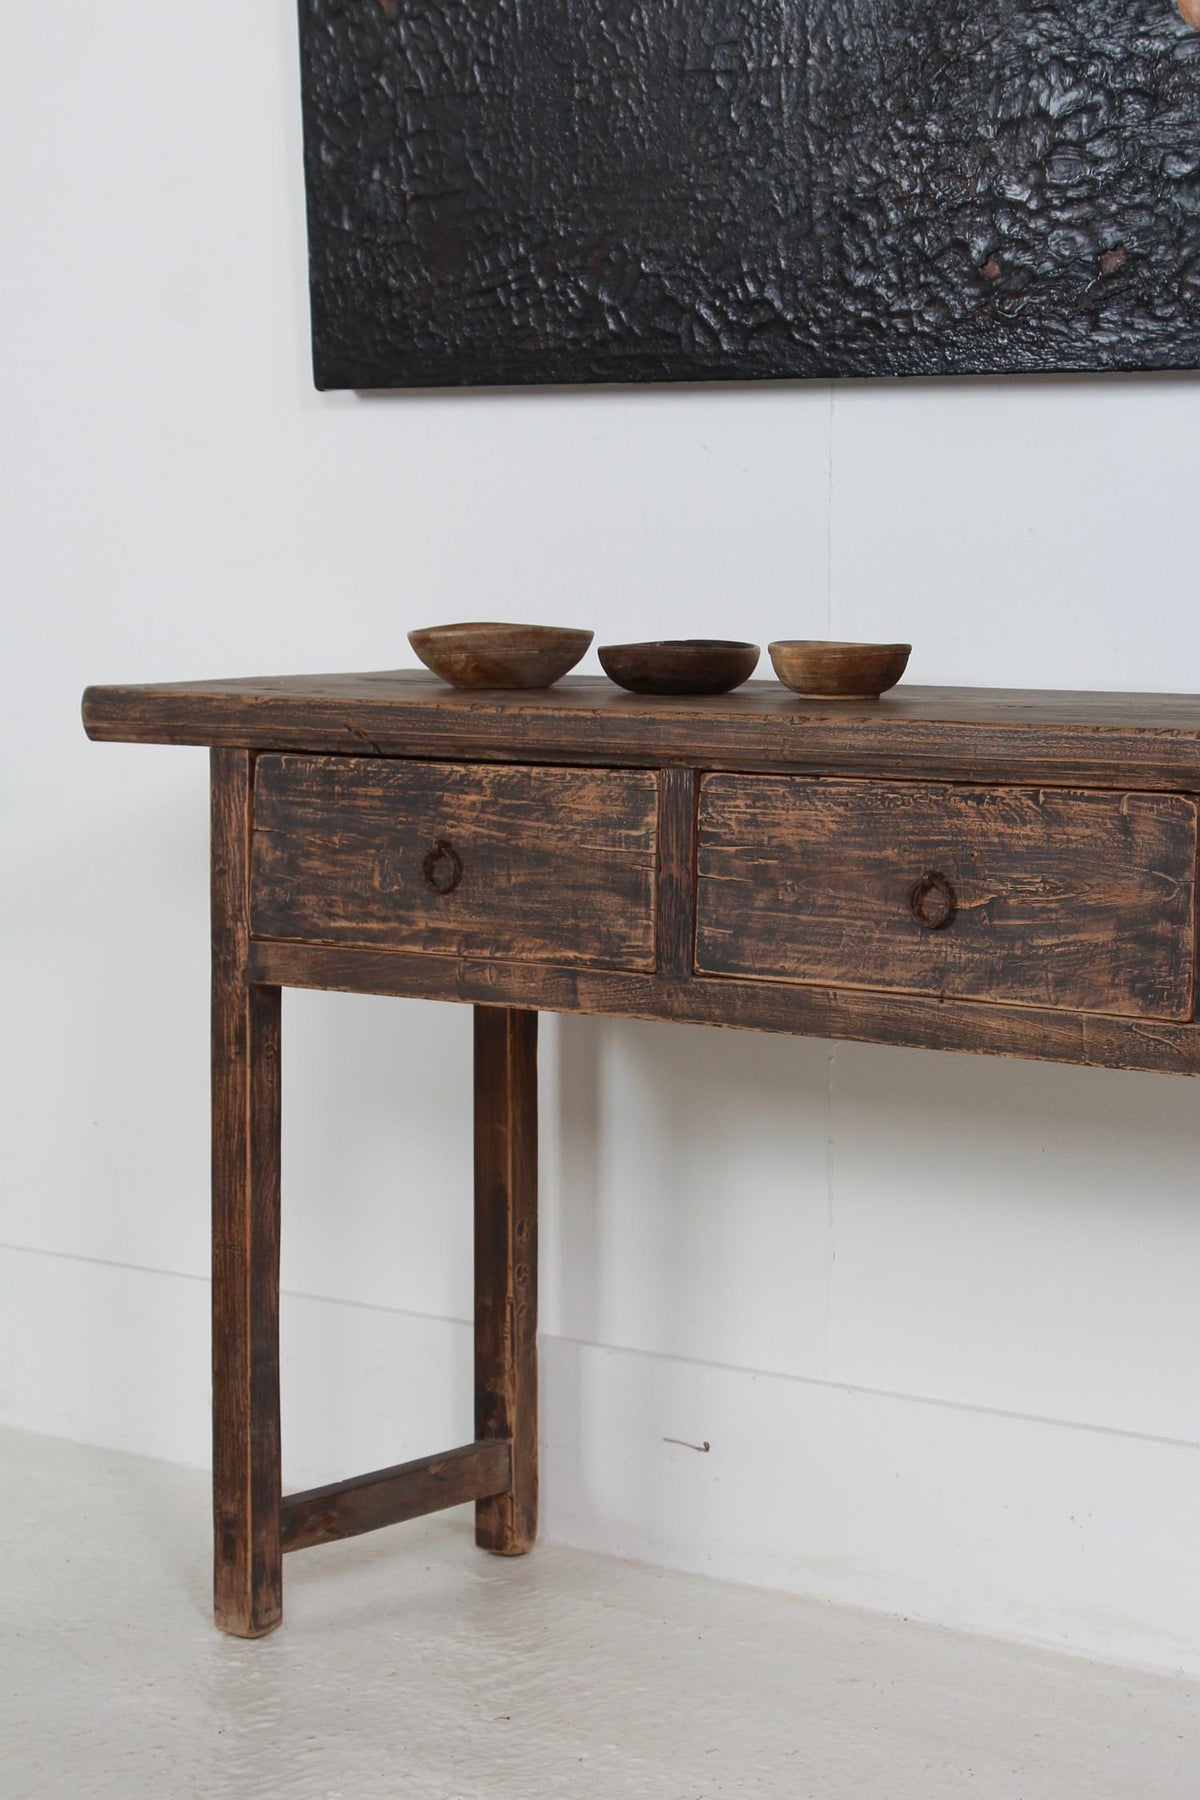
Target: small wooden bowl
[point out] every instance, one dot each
(499, 656)
(680, 665)
(821, 670)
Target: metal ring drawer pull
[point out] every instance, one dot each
(443, 867)
(933, 902)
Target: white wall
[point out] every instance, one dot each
(936, 1316)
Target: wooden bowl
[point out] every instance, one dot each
(499, 656)
(821, 670)
(680, 665)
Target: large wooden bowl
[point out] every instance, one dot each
(819, 669)
(485, 655)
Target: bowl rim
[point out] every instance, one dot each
(836, 644)
(495, 627)
(683, 646)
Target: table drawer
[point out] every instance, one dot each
(521, 864)
(1041, 897)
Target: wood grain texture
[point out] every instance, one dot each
(506, 1246)
(553, 865)
(680, 665)
(343, 1509)
(838, 670)
(486, 654)
(1042, 1033)
(676, 911)
(961, 734)
(247, 1583)
(1061, 897)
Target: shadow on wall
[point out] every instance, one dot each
(999, 1235)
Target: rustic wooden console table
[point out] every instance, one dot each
(963, 869)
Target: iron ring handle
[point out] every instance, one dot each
(933, 902)
(443, 867)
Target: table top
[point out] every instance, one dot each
(1110, 739)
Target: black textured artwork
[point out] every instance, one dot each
(504, 191)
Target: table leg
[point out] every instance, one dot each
(247, 1579)
(506, 1267)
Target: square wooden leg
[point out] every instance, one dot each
(506, 1267)
(247, 1581)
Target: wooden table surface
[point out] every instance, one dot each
(1106, 739)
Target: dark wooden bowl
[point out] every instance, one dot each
(499, 656)
(821, 670)
(680, 665)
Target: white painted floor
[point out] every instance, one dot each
(411, 1665)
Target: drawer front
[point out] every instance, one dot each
(521, 864)
(1040, 897)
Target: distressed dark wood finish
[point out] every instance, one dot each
(463, 847)
(676, 917)
(409, 1490)
(506, 1243)
(247, 1581)
(959, 734)
(1054, 897)
(538, 865)
(1042, 1033)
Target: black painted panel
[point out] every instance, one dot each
(506, 191)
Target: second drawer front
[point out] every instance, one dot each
(1039, 897)
(522, 864)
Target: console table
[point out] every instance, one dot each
(965, 869)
